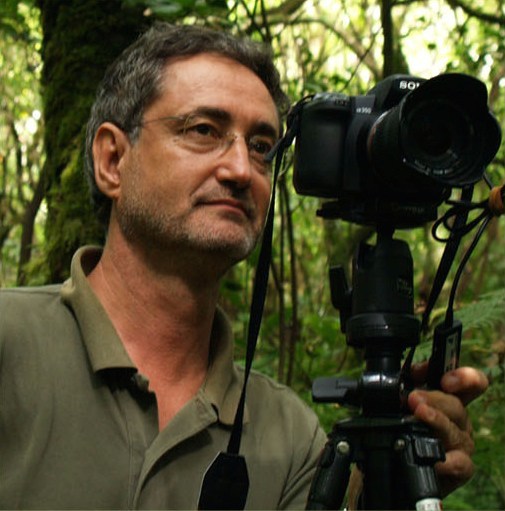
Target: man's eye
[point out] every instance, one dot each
(202, 129)
(260, 146)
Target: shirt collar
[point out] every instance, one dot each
(105, 349)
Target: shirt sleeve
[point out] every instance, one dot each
(304, 466)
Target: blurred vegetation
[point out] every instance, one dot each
(52, 55)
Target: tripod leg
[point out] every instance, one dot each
(332, 475)
(378, 486)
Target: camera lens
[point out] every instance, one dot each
(439, 137)
(435, 138)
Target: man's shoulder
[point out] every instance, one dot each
(26, 295)
(269, 384)
(26, 299)
(264, 392)
(30, 308)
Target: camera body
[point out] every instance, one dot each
(393, 155)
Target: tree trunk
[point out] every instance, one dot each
(27, 229)
(81, 37)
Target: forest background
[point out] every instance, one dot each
(54, 52)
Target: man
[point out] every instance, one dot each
(119, 388)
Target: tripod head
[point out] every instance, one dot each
(377, 315)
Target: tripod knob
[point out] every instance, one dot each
(332, 475)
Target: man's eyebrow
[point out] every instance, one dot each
(218, 114)
(267, 129)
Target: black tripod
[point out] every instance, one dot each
(395, 453)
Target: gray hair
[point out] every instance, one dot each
(133, 82)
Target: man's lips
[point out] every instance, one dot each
(230, 203)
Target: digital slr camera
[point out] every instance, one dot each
(393, 155)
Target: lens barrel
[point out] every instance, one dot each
(442, 131)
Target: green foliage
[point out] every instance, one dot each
(173, 10)
(484, 347)
(21, 128)
(486, 313)
(13, 21)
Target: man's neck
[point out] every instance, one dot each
(164, 320)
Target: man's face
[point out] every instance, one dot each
(195, 178)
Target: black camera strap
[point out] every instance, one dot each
(451, 248)
(447, 335)
(225, 484)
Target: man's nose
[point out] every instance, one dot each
(234, 163)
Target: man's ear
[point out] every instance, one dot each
(110, 146)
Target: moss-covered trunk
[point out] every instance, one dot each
(81, 37)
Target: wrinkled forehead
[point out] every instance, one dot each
(214, 80)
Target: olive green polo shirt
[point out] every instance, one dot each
(79, 428)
